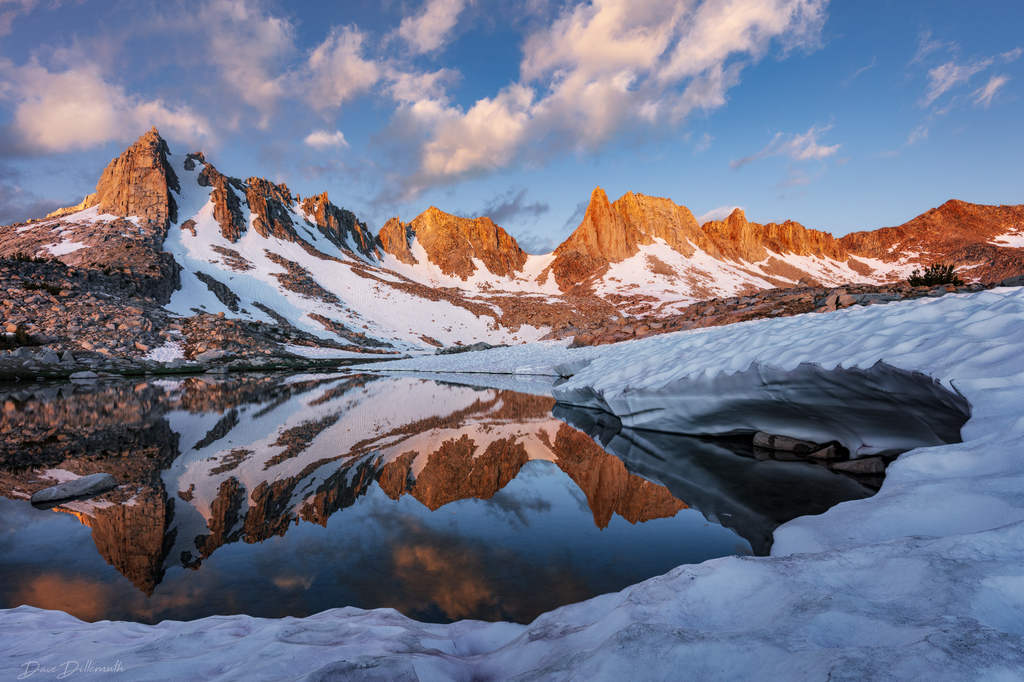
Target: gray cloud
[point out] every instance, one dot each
(511, 205)
(18, 205)
(577, 215)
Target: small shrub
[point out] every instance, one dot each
(41, 286)
(934, 274)
(22, 257)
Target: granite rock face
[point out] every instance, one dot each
(395, 238)
(139, 182)
(227, 208)
(340, 226)
(452, 243)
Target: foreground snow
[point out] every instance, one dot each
(922, 581)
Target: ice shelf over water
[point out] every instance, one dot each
(925, 580)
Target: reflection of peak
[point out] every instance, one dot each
(131, 536)
(469, 451)
(609, 487)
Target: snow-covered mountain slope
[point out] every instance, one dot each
(310, 281)
(921, 581)
(181, 230)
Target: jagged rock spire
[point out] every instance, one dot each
(139, 182)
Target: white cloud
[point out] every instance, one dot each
(602, 65)
(410, 87)
(431, 29)
(483, 137)
(718, 29)
(797, 146)
(946, 76)
(338, 69)
(983, 95)
(56, 111)
(720, 213)
(248, 46)
(322, 139)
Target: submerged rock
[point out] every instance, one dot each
(864, 465)
(785, 443)
(93, 484)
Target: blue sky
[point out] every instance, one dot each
(842, 116)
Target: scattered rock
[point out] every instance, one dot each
(480, 345)
(84, 375)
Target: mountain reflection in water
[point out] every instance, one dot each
(274, 496)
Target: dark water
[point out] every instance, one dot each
(276, 496)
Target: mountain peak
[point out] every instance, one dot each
(737, 216)
(453, 243)
(139, 182)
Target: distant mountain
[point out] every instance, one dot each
(195, 240)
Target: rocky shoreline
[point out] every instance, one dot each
(782, 302)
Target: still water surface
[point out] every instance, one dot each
(288, 495)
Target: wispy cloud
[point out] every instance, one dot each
(917, 135)
(1012, 55)
(983, 95)
(703, 143)
(928, 45)
(861, 71)
(945, 77)
(797, 146)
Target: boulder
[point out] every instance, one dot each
(828, 453)
(84, 375)
(49, 357)
(93, 484)
(210, 355)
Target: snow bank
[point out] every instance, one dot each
(922, 581)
